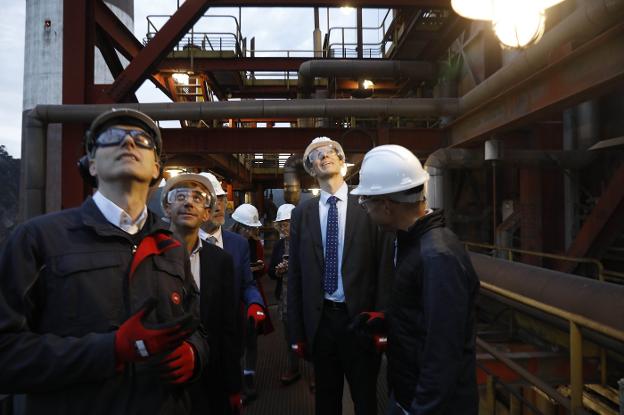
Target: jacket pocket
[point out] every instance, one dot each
(85, 290)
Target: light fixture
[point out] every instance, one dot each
(367, 84)
(181, 78)
(173, 172)
(315, 191)
(516, 24)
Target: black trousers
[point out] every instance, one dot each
(338, 353)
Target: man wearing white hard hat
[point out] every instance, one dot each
(340, 265)
(431, 315)
(187, 201)
(278, 270)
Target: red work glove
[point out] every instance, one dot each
(372, 324)
(178, 366)
(236, 404)
(135, 341)
(299, 349)
(256, 313)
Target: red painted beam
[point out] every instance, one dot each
(291, 140)
(602, 226)
(169, 35)
(78, 46)
(589, 71)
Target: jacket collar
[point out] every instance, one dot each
(433, 219)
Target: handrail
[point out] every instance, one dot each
(594, 261)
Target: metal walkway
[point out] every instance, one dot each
(273, 398)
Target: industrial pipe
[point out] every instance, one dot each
(593, 299)
(356, 69)
(292, 185)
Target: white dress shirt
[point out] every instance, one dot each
(341, 194)
(217, 234)
(195, 261)
(119, 217)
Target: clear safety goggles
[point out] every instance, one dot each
(115, 135)
(185, 195)
(363, 200)
(321, 152)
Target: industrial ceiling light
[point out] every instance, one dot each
(367, 84)
(516, 24)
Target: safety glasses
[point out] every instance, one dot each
(185, 195)
(364, 200)
(321, 152)
(115, 135)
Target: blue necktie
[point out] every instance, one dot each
(330, 284)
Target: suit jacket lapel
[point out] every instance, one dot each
(353, 211)
(314, 220)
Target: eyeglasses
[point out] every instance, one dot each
(184, 195)
(321, 152)
(364, 200)
(115, 135)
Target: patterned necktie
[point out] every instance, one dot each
(330, 284)
(212, 240)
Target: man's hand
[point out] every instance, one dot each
(236, 404)
(299, 349)
(281, 268)
(178, 366)
(257, 266)
(256, 313)
(372, 324)
(135, 341)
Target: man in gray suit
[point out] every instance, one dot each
(340, 265)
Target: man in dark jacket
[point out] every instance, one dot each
(188, 201)
(431, 316)
(98, 309)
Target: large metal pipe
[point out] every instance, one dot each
(349, 68)
(293, 167)
(584, 23)
(596, 300)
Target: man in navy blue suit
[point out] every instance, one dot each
(245, 286)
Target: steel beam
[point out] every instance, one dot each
(291, 140)
(200, 64)
(424, 4)
(588, 71)
(170, 34)
(603, 225)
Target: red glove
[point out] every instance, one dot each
(299, 349)
(135, 341)
(179, 365)
(255, 312)
(235, 404)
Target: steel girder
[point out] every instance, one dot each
(423, 4)
(587, 71)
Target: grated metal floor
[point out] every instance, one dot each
(295, 399)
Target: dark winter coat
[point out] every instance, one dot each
(431, 322)
(65, 290)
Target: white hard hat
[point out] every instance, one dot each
(283, 213)
(215, 183)
(247, 215)
(389, 169)
(187, 177)
(321, 142)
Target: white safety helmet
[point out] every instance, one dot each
(247, 215)
(215, 183)
(390, 169)
(283, 213)
(322, 142)
(188, 177)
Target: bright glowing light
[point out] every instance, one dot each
(346, 9)
(315, 191)
(518, 24)
(473, 9)
(549, 3)
(367, 84)
(173, 172)
(349, 165)
(181, 78)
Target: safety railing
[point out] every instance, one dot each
(510, 251)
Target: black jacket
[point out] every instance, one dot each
(431, 322)
(220, 317)
(64, 291)
(366, 267)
